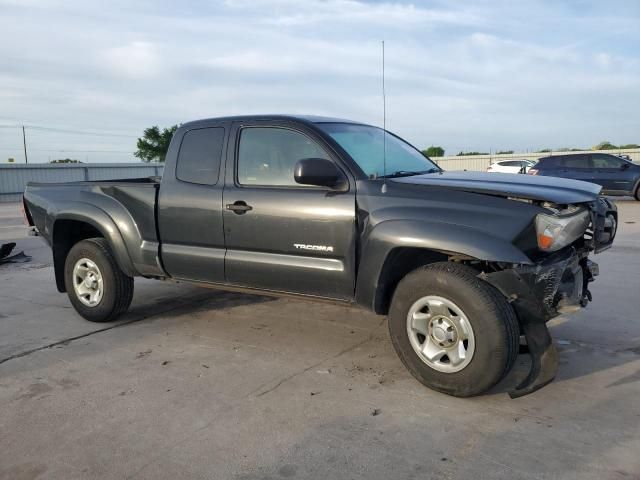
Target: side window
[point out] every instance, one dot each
(199, 156)
(548, 162)
(267, 155)
(605, 161)
(575, 161)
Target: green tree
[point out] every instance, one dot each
(154, 143)
(604, 146)
(65, 160)
(504, 152)
(433, 151)
(630, 145)
(461, 154)
(544, 150)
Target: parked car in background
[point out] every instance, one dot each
(511, 166)
(616, 175)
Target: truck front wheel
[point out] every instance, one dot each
(97, 288)
(453, 331)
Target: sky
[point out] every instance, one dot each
(465, 75)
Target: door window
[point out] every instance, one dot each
(606, 161)
(575, 161)
(267, 155)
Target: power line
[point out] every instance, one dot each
(79, 132)
(78, 151)
(55, 149)
(70, 131)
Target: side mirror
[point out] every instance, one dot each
(319, 172)
(624, 166)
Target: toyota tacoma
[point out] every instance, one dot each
(464, 264)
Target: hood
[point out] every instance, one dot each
(532, 187)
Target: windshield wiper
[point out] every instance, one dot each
(408, 173)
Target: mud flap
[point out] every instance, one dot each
(544, 358)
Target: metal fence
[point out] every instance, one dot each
(14, 178)
(480, 163)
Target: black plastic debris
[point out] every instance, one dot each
(5, 251)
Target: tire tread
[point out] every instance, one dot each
(123, 284)
(491, 298)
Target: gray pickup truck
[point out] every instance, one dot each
(463, 264)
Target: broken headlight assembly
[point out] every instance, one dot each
(563, 227)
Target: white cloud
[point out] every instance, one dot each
(466, 75)
(136, 60)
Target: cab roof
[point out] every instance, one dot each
(314, 119)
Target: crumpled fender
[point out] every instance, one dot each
(437, 236)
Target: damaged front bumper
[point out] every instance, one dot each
(554, 285)
(539, 292)
(557, 284)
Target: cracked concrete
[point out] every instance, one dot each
(196, 383)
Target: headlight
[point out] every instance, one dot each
(557, 231)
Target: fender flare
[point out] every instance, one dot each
(442, 237)
(102, 222)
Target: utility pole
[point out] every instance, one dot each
(24, 143)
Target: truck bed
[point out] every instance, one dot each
(129, 203)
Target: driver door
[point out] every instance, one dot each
(281, 235)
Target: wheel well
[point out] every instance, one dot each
(66, 233)
(399, 262)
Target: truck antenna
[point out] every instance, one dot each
(384, 129)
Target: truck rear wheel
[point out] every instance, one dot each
(454, 332)
(97, 288)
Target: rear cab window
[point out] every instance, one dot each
(199, 156)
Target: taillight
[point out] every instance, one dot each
(532, 171)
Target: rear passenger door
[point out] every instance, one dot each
(577, 167)
(281, 235)
(190, 206)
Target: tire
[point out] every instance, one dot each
(111, 289)
(492, 341)
(636, 195)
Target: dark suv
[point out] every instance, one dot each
(617, 176)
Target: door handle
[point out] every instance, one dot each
(240, 207)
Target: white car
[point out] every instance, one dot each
(511, 166)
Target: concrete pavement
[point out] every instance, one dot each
(197, 383)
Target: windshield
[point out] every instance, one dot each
(365, 145)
